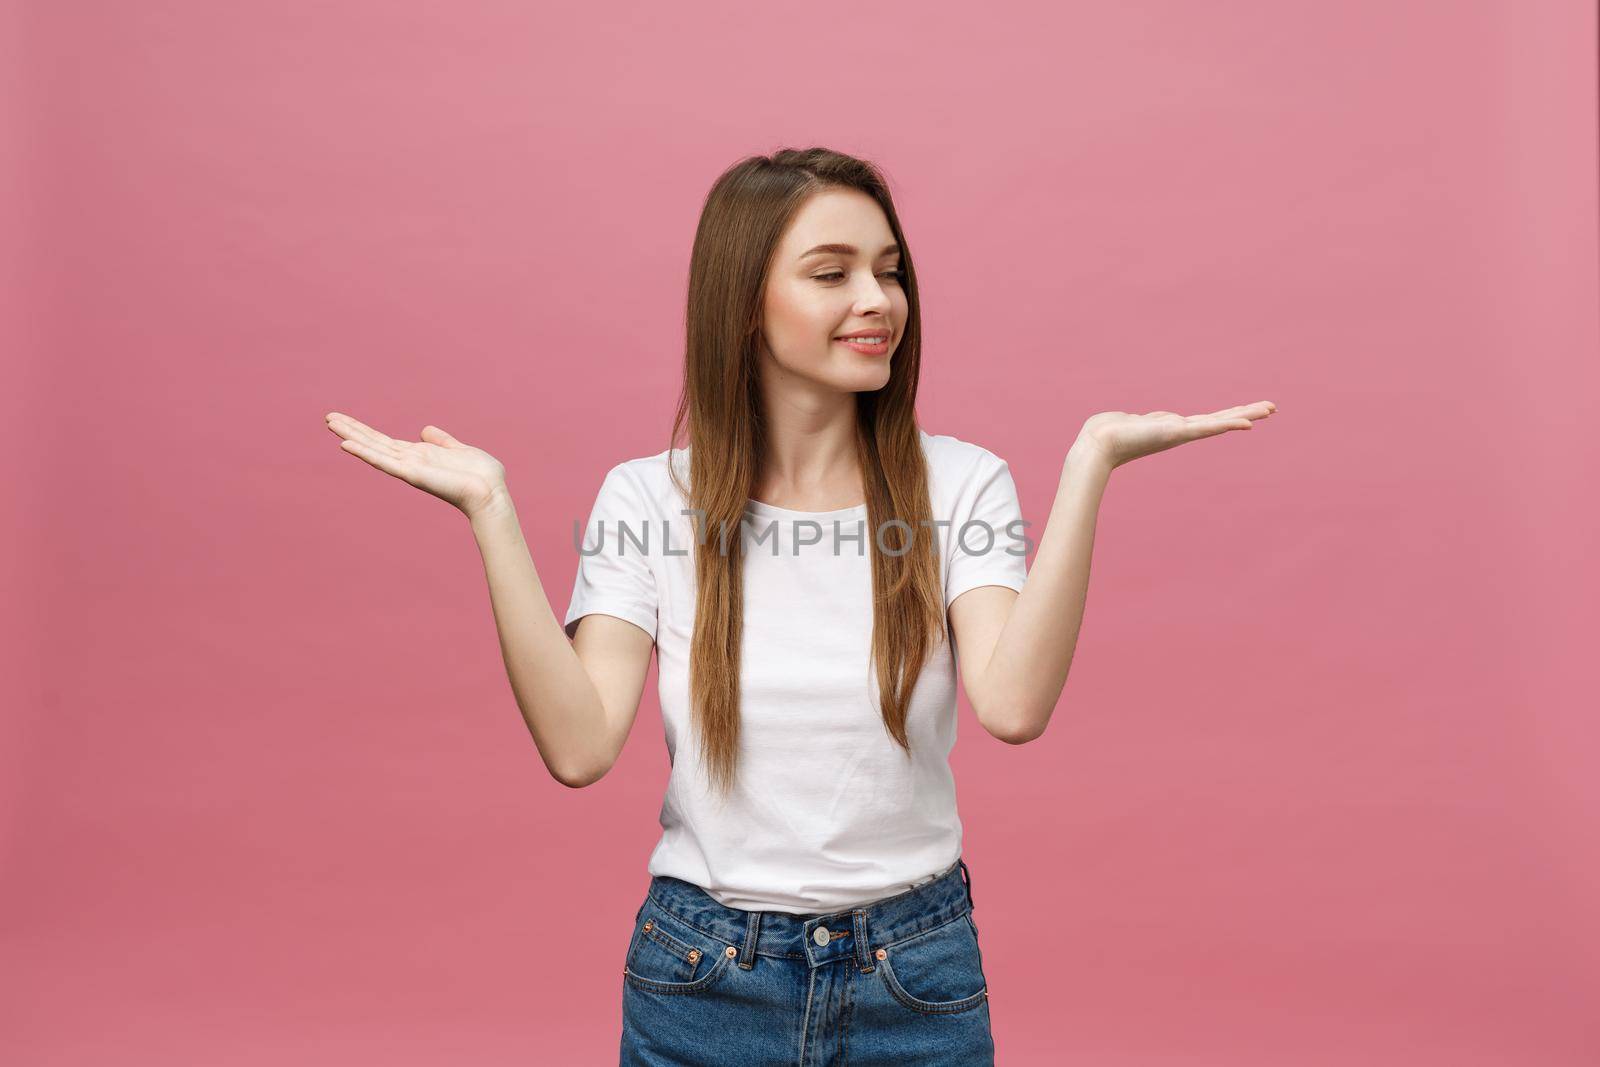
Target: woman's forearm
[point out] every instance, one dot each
(1034, 651)
(1028, 668)
(553, 691)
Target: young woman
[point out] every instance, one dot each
(809, 568)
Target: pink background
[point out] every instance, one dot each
(1322, 787)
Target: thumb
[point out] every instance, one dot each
(435, 436)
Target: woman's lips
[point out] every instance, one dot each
(866, 347)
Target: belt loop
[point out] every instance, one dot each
(966, 876)
(863, 950)
(752, 931)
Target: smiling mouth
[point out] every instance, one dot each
(871, 346)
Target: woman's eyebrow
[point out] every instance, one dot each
(844, 250)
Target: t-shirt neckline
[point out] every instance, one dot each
(759, 508)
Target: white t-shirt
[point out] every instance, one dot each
(827, 812)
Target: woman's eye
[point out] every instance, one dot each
(895, 274)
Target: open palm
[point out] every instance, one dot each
(1120, 437)
(466, 477)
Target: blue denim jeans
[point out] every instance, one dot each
(897, 982)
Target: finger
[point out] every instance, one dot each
(384, 461)
(371, 434)
(1205, 426)
(1259, 410)
(339, 418)
(345, 426)
(1225, 413)
(353, 430)
(362, 437)
(435, 436)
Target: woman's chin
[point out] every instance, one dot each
(845, 379)
(869, 380)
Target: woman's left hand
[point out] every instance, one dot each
(1117, 437)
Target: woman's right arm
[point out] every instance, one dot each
(580, 697)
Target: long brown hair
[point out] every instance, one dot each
(745, 214)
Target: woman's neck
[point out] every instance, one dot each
(811, 461)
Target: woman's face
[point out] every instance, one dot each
(814, 297)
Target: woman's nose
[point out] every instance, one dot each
(872, 297)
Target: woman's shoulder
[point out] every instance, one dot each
(649, 477)
(647, 466)
(953, 454)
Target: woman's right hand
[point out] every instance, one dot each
(459, 474)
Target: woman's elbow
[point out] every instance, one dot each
(577, 778)
(1014, 728)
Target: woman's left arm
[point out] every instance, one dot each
(1016, 648)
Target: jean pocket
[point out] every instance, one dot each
(669, 956)
(938, 971)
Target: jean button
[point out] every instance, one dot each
(820, 935)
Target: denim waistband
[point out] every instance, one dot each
(852, 932)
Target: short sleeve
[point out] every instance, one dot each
(986, 543)
(614, 575)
